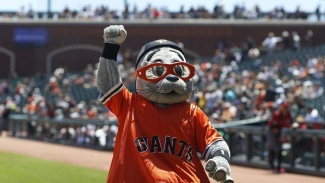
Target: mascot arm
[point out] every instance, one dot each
(108, 78)
(217, 156)
(213, 147)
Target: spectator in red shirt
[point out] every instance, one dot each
(281, 118)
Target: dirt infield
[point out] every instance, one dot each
(101, 160)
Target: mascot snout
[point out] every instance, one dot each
(172, 78)
(171, 85)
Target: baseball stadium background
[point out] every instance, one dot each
(248, 61)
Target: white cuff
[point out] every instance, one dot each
(117, 88)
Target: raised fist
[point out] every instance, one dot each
(219, 169)
(114, 34)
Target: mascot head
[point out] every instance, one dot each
(162, 74)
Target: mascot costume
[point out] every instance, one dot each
(159, 131)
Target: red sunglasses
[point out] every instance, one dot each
(156, 71)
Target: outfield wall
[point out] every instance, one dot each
(33, 41)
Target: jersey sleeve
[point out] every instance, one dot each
(117, 99)
(206, 134)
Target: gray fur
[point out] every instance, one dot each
(217, 157)
(107, 75)
(218, 146)
(114, 34)
(221, 162)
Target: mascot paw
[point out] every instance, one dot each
(219, 169)
(114, 34)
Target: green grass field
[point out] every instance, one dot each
(16, 168)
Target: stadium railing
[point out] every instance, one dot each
(303, 149)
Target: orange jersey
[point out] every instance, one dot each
(155, 144)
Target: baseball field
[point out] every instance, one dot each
(27, 161)
(16, 168)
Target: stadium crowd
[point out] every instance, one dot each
(225, 91)
(103, 12)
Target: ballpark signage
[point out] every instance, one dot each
(30, 36)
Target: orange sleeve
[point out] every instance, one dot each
(205, 132)
(119, 101)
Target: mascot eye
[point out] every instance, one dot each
(179, 70)
(182, 71)
(158, 70)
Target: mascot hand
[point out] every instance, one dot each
(219, 169)
(114, 34)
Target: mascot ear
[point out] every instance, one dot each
(156, 44)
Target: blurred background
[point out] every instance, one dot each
(250, 57)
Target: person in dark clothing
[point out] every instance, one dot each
(5, 120)
(295, 40)
(309, 38)
(250, 43)
(280, 119)
(318, 13)
(285, 40)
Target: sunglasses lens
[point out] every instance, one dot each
(182, 71)
(155, 72)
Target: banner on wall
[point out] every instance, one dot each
(30, 37)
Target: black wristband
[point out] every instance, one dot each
(110, 51)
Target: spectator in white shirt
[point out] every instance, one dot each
(270, 42)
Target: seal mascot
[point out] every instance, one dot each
(159, 130)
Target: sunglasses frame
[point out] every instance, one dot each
(141, 73)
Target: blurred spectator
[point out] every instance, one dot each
(126, 12)
(297, 13)
(4, 117)
(218, 11)
(280, 119)
(312, 115)
(285, 40)
(265, 113)
(111, 133)
(66, 13)
(181, 13)
(22, 12)
(270, 42)
(254, 53)
(242, 111)
(250, 43)
(148, 12)
(295, 41)
(318, 13)
(219, 57)
(261, 93)
(228, 113)
(309, 37)
(30, 13)
(270, 94)
(221, 44)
